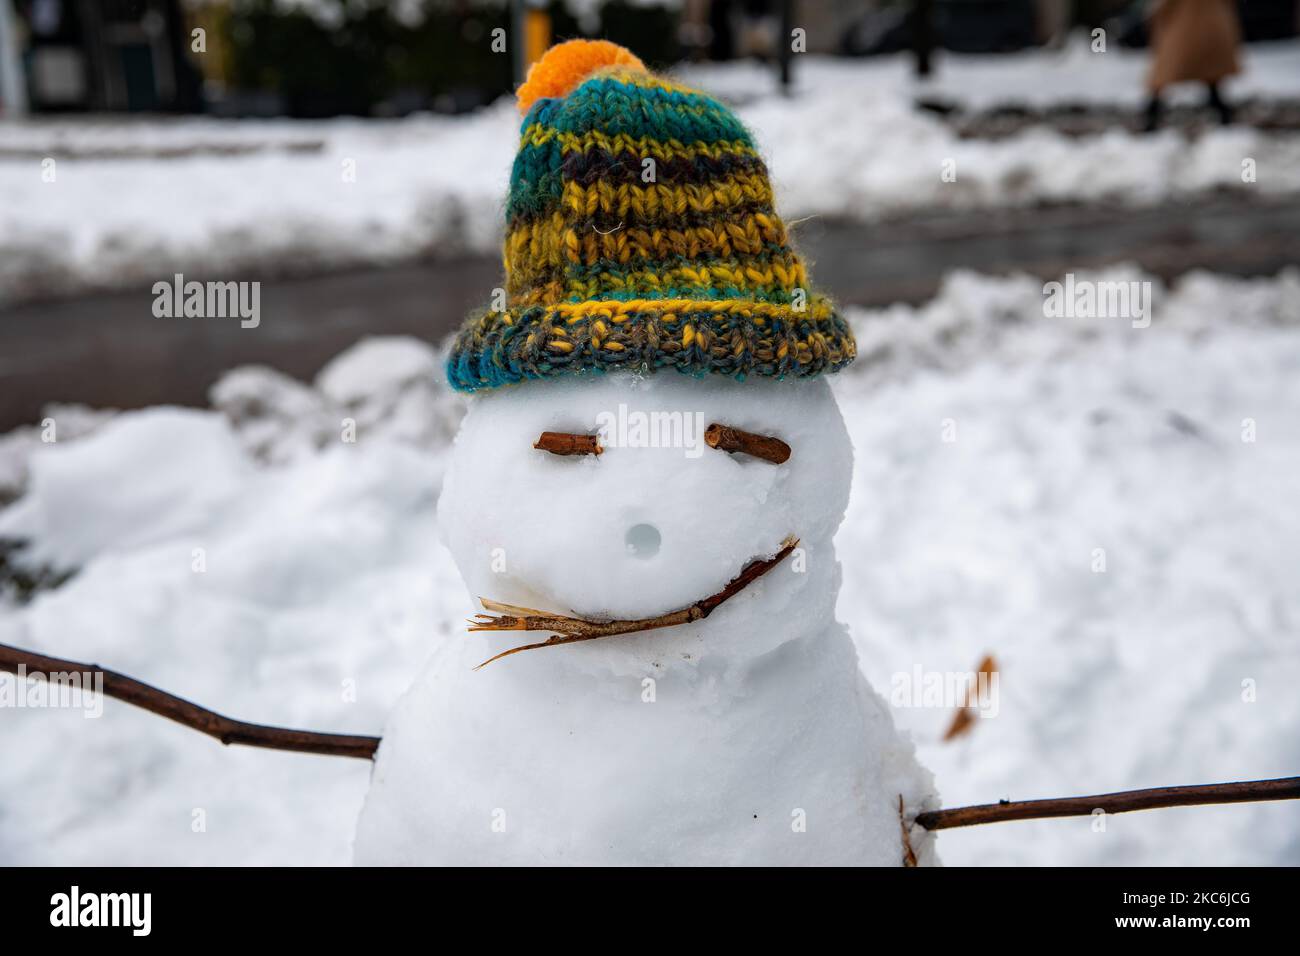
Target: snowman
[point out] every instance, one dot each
(642, 500)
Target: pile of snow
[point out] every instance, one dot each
(851, 150)
(1110, 512)
(391, 387)
(132, 203)
(976, 316)
(369, 193)
(59, 422)
(304, 595)
(311, 593)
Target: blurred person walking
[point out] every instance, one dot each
(1192, 40)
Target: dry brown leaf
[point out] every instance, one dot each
(964, 719)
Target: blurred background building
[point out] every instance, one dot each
(315, 58)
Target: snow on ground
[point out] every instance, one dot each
(1041, 78)
(366, 194)
(303, 594)
(17, 446)
(323, 588)
(1131, 442)
(133, 202)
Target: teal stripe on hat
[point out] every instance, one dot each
(617, 107)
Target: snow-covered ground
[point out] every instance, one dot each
(323, 589)
(132, 203)
(1036, 77)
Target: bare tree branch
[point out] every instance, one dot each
(1284, 788)
(16, 661)
(183, 712)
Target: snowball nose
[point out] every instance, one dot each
(642, 540)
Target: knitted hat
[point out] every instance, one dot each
(640, 233)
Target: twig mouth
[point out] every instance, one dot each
(568, 630)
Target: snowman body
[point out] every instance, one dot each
(750, 737)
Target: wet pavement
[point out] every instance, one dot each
(109, 350)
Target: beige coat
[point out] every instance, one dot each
(1193, 40)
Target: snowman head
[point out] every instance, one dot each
(651, 291)
(658, 519)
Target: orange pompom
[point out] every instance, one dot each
(566, 65)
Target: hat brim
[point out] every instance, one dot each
(734, 337)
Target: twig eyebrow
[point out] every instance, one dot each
(726, 438)
(567, 443)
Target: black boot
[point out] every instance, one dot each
(1154, 109)
(1217, 102)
